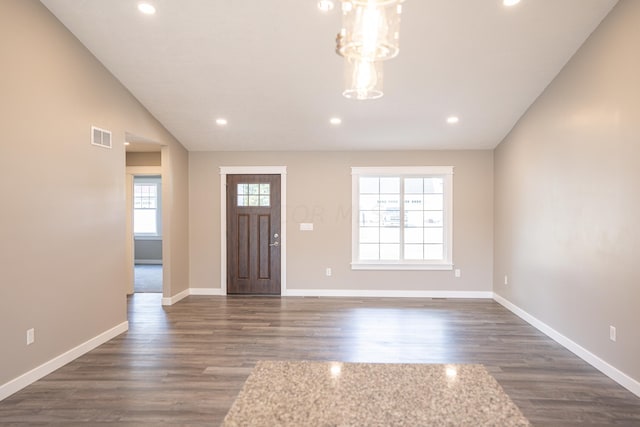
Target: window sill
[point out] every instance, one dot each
(399, 266)
(143, 237)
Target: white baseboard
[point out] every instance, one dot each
(385, 293)
(205, 291)
(191, 291)
(174, 299)
(148, 261)
(46, 368)
(615, 374)
(341, 293)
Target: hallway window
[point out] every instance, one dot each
(402, 218)
(146, 206)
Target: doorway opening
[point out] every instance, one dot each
(147, 233)
(145, 210)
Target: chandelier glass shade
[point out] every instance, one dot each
(363, 79)
(370, 29)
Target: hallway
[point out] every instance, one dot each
(148, 278)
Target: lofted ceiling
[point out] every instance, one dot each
(269, 68)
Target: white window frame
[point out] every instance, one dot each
(445, 172)
(157, 181)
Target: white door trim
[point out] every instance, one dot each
(253, 170)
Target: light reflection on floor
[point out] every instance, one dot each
(421, 332)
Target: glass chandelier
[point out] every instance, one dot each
(370, 34)
(363, 79)
(371, 29)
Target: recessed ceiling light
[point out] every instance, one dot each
(335, 120)
(325, 5)
(452, 119)
(221, 121)
(146, 8)
(510, 2)
(127, 143)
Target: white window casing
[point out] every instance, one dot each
(409, 244)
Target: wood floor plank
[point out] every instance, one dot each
(185, 364)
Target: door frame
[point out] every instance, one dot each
(253, 170)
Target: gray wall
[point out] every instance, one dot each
(567, 201)
(62, 221)
(319, 191)
(147, 251)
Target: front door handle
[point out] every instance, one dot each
(276, 244)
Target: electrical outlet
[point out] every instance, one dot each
(328, 271)
(31, 336)
(506, 279)
(612, 333)
(457, 272)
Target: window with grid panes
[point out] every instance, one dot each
(146, 207)
(402, 217)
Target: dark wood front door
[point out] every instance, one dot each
(253, 234)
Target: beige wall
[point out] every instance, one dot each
(144, 158)
(567, 200)
(175, 219)
(319, 191)
(62, 215)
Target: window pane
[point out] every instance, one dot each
(243, 200)
(413, 185)
(144, 221)
(433, 218)
(433, 202)
(433, 185)
(390, 218)
(254, 200)
(433, 235)
(413, 252)
(413, 219)
(390, 185)
(369, 252)
(369, 235)
(370, 218)
(369, 185)
(390, 252)
(413, 202)
(414, 235)
(390, 235)
(369, 203)
(433, 252)
(264, 200)
(265, 188)
(389, 201)
(243, 189)
(254, 188)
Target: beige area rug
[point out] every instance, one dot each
(366, 394)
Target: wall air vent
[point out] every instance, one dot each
(100, 137)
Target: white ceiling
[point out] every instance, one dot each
(269, 67)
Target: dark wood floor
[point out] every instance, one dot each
(185, 364)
